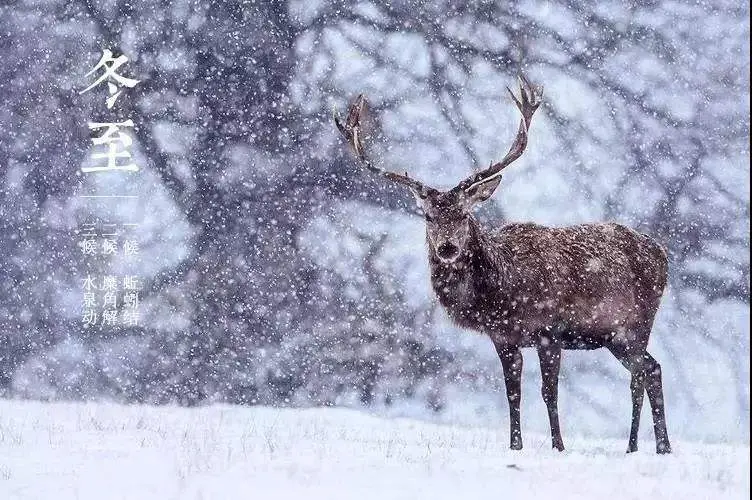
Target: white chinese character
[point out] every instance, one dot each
(130, 300)
(88, 229)
(130, 282)
(110, 64)
(109, 283)
(130, 247)
(130, 317)
(89, 247)
(110, 299)
(110, 138)
(90, 300)
(89, 283)
(109, 317)
(90, 317)
(109, 247)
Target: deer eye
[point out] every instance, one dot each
(428, 218)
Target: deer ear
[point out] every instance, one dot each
(481, 192)
(420, 196)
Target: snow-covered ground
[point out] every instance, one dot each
(102, 451)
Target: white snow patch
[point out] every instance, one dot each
(103, 451)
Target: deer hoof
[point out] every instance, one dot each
(663, 448)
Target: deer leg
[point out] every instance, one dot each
(637, 387)
(654, 387)
(511, 363)
(550, 361)
(633, 363)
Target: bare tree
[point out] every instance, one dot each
(645, 124)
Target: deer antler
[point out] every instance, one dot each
(351, 130)
(531, 97)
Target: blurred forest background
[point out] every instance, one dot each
(275, 271)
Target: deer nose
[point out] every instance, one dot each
(447, 250)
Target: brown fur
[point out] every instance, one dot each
(517, 283)
(525, 285)
(579, 287)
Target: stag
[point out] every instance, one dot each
(525, 285)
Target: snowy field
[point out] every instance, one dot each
(98, 451)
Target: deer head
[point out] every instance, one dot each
(447, 213)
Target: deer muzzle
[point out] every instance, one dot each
(447, 251)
